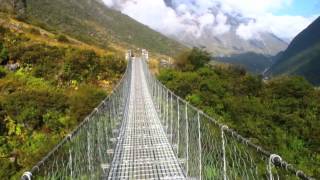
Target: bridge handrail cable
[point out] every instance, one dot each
(273, 159)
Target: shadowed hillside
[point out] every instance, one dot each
(302, 56)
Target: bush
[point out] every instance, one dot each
(29, 107)
(28, 99)
(2, 33)
(62, 38)
(192, 60)
(86, 65)
(4, 55)
(81, 65)
(37, 54)
(84, 100)
(35, 31)
(37, 106)
(288, 107)
(3, 72)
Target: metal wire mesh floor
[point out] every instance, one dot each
(143, 150)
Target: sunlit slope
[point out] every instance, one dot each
(93, 22)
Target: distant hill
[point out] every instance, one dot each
(302, 57)
(92, 22)
(252, 62)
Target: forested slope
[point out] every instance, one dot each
(302, 57)
(48, 83)
(282, 115)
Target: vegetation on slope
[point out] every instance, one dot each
(94, 23)
(252, 62)
(302, 56)
(282, 115)
(306, 64)
(54, 82)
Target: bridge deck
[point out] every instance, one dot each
(143, 150)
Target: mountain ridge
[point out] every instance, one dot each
(93, 22)
(302, 56)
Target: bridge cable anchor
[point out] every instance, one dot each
(26, 176)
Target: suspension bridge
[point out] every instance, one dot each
(144, 131)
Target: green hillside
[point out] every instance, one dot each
(94, 23)
(48, 83)
(282, 115)
(306, 63)
(302, 56)
(252, 62)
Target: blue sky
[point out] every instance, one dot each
(300, 8)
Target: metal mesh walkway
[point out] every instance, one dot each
(143, 150)
(161, 136)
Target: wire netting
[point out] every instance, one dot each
(209, 150)
(87, 152)
(205, 148)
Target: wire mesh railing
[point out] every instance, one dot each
(87, 152)
(208, 149)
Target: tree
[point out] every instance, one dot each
(192, 60)
(199, 57)
(4, 55)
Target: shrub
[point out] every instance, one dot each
(4, 55)
(62, 38)
(192, 60)
(3, 72)
(287, 107)
(84, 100)
(35, 31)
(2, 32)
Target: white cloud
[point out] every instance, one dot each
(152, 13)
(221, 24)
(254, 7)
(206, 20)
(194, 16)
(285, 27)
(109, 2)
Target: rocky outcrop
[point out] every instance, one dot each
(17, 7)
(6, 5)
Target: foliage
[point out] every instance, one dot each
(62, 38)
(35, 31)
(302, 56)
(253, 62)
(282, 114)
(55, 88)
(192, 60)
(3, 72)
(3, 54)
(88, 96)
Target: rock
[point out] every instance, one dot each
(18, 7)
(13, 67)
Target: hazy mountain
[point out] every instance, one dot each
(302, 57)
(92, 22)
(254, 63)
(225, 40)
(231, 43)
